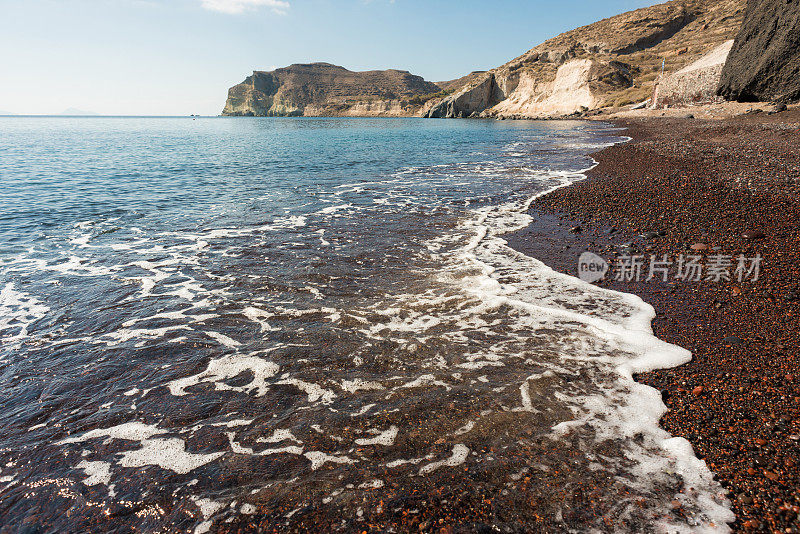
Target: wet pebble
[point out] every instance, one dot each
(713, 198)
(754, 234)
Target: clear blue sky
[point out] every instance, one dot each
(180, 56)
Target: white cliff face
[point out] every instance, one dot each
(367, 108)
(567, 93)
(717, 56)
(527, 93)
(695, 83)
(612, 63)
(473, 98)
(379, 108)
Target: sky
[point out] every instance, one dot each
(178, 57)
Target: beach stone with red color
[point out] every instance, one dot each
(752, 235)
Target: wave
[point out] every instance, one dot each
(308, 363)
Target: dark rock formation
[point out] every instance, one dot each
(764, 63)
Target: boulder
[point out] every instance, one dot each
(764, 64)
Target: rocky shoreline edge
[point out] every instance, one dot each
(714, 189)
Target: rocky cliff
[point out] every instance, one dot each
(322, 89)
(613, 62)
(764, 63)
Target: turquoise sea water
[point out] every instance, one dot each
(314, 324)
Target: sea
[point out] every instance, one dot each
(316, 325)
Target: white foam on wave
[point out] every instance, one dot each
(240, 449)
(385, 438)
(259, 316)
(372, 484)
(165, 452)
(17, 312)
(466, 429)
(77, 266)
(357, 384)
(278, 436)
(411, 461)
(207, 509)
(425, 381)
(279, 223)
(235, 423)
(363, 410)
(333, 209)
(459, 456)
(99, 472)
(223, 340)
(315, 392)
(318, 459)
(228, 367)
(126, 334)
(508, 278)
(149, 282)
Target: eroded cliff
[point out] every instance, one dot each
(322, 89)
(613, 62)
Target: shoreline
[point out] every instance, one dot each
(705, 182)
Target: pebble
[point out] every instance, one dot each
(702, 203)
(732, 340)
(754, 234)
(575, 230)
